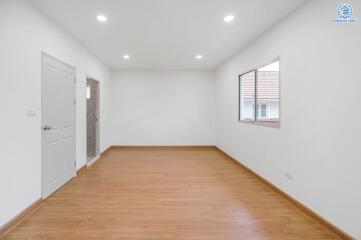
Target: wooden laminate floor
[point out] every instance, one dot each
(167, 193)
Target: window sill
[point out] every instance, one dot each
(263, 124)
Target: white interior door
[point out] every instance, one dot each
(58, 124)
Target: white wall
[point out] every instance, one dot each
(318, 143)
(24, 33)
(320, 112)
(163, 107)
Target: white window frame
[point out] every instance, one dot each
(255, 121)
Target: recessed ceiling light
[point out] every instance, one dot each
(228, 18)
(199, 57)
(126, 56)
(102, 18)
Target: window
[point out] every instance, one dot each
(262, 111)
(248, 97)
(259, 95)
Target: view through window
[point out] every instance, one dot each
(260, 95)
(248, 97)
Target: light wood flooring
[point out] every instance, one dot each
(168, 193)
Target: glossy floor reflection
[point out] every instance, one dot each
(167, 193)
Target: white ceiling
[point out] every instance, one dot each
(165, 34)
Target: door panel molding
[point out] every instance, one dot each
(58, 119)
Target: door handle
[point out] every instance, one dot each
(46, 128)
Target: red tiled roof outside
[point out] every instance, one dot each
(267, 85)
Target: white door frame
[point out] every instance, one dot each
(97, 127)
(42, 123)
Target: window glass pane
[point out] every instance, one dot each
(268, 97)
(247, 96)
(262, 111)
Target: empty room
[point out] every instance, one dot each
(180, 119)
